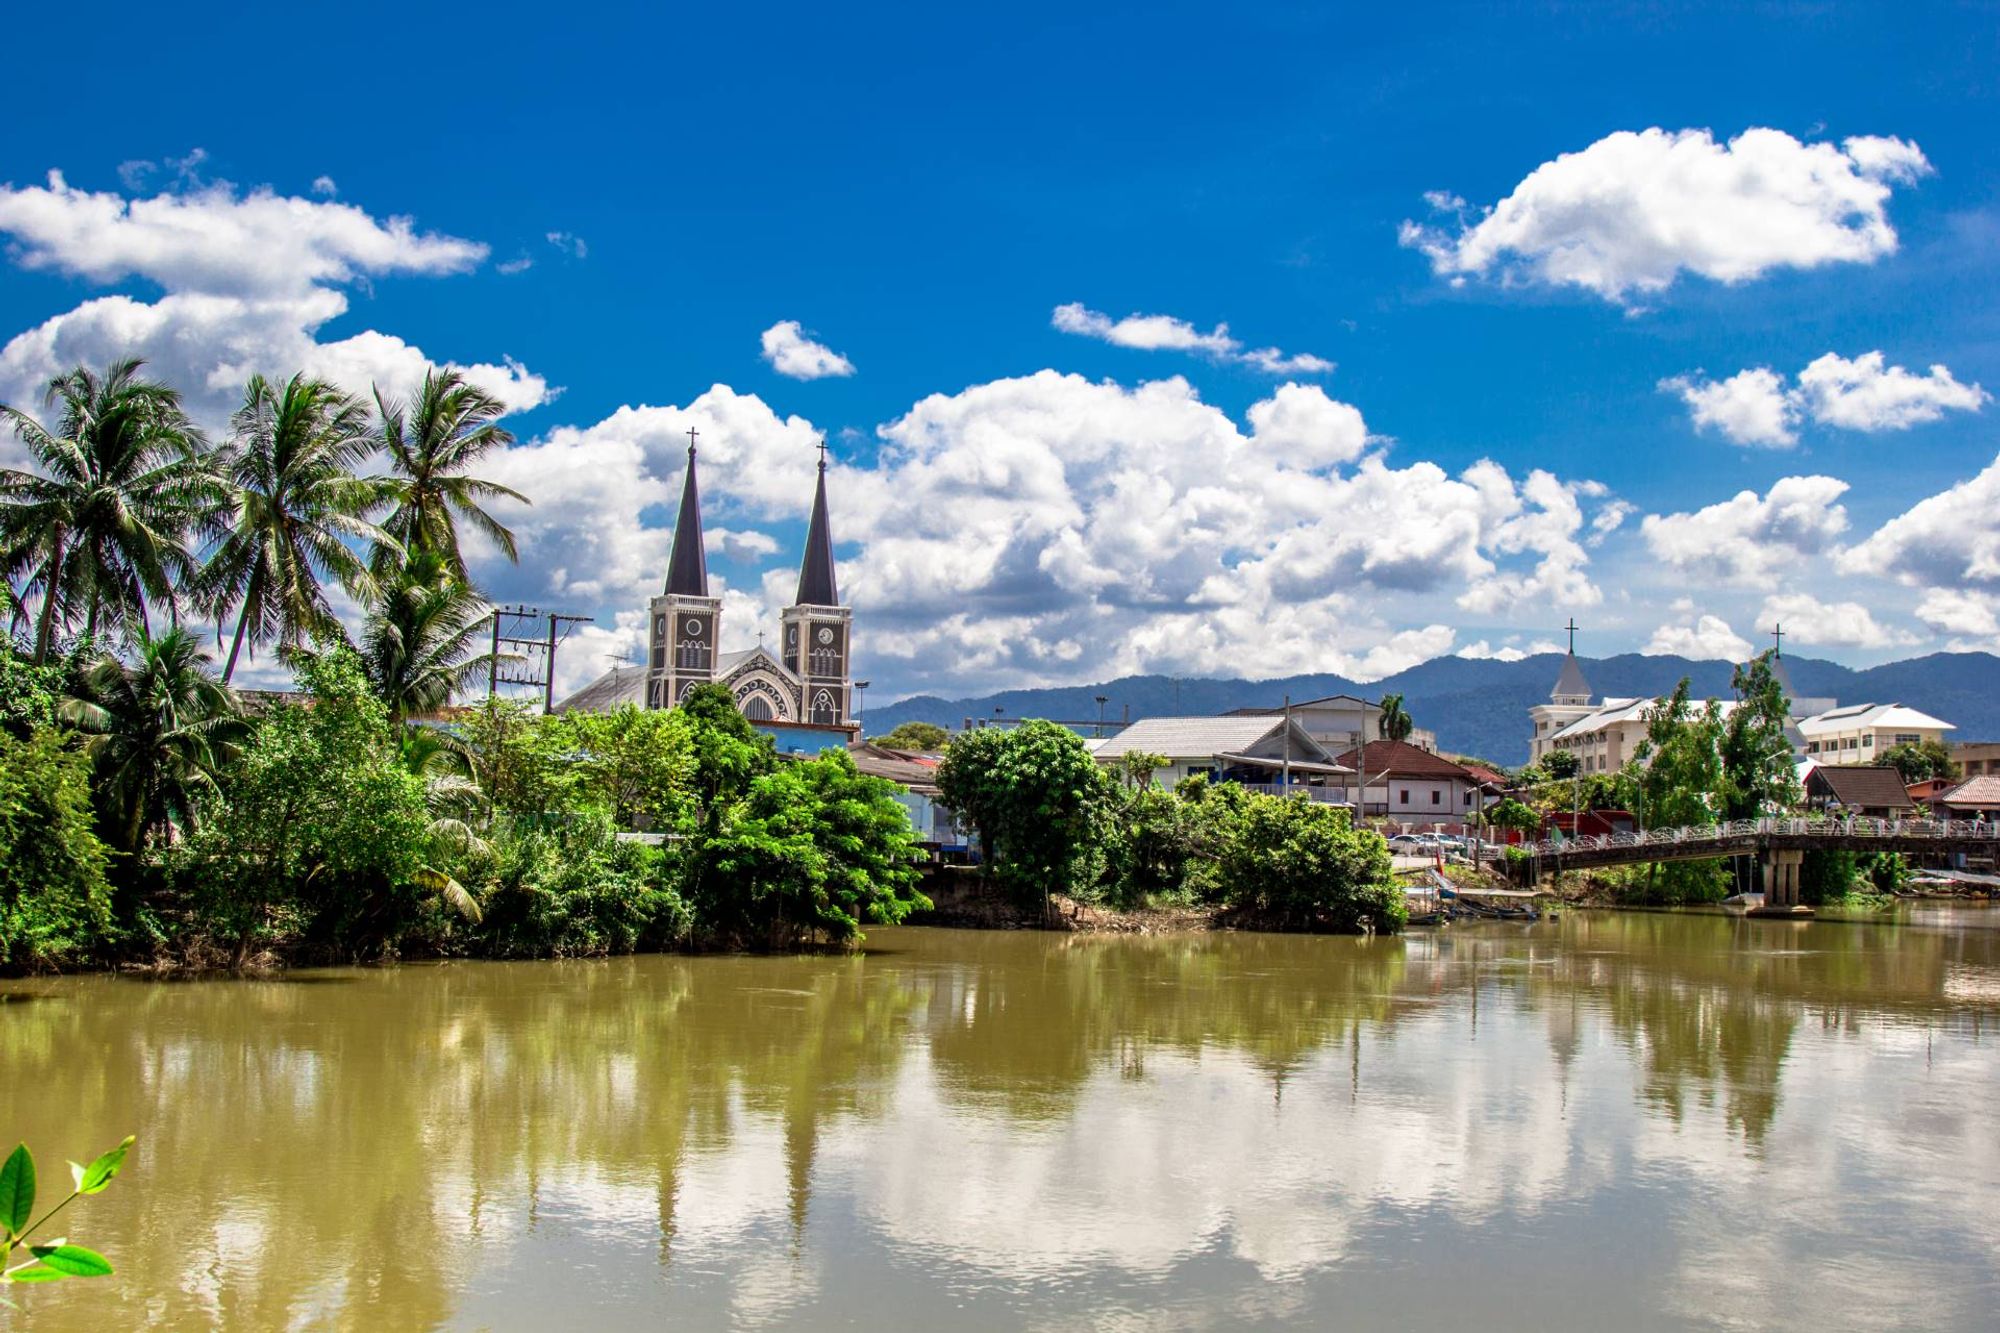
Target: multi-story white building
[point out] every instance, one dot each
(1860, 733)
(1568, 702)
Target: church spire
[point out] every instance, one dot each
(1571, 687)
(816, 581)
(687, 571)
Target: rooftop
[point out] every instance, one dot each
(1858, 717)
(1862, 786)
(1982, 792)
(1399, 759)
(1193, 737)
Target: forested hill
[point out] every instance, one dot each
(1480, 706)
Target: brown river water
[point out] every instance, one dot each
(1613, 1121)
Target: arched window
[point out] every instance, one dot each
(757, 709)
(823, 710)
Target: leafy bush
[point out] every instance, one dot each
(815, 849)
(1039, 801)
(576, 891)
(1302, 864)
(55, 905)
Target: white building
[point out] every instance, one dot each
(1409, 784)
(1860, 733)
(1569, 702)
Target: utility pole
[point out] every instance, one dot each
(860, 698)
(1287, 770)
(534, 664)
(1101, 701)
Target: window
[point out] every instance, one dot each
(756, 710)
(1812, 747)
(1904, 738)
(1437, 797)
(1869, 740)
(1405, 796)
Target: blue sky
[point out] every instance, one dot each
(621, 203)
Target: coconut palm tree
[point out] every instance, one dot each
(121, 485)
(430, 445)
(1396, 723)
(418, 645)
(158, 730)
(295, 501)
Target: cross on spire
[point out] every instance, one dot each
(822, 453)
(1778, 640)
(1571, 627)
(692, 432)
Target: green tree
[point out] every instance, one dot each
(1920, 761)
(1516, 815)
(921, 737)
(1759, 771)
(295, 504)
(420, 644)
(814, 849)
(102, 523)
(1682, 783)
(55, 905)
(1397, 724)
(29, 694)
(729, 753)
(1301, 864)
(638, 763)
(159, 730)
(324, 832)
(431, 444)
(1039, 802)
(1561, 765)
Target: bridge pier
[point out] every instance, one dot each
(1781, 883)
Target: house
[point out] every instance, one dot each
(1976, 757)
(1858, 734)
(1974, 798)
(1340, 722)
(1403, 782)
(1259, 750)
(1856, 789)
(1926, 793)
(919, 795)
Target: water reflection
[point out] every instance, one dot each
(1649, 1119)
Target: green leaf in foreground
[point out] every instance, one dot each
(37, 1273)
(17, 1190)
(99, 1173)
(71, 1260)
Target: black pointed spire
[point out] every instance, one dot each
(687, 571)
(816, 582)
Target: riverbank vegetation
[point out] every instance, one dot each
(151, 813)
(1054, 821)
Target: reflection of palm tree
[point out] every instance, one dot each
(297, 503)
(101, 525)
(430, 444)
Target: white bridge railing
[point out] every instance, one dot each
(1740, 830)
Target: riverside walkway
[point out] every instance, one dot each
(1779, 843)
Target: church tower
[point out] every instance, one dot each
(1568, 702)
(685, 622)
(817, 628)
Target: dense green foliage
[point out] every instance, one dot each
(1829, 877)
(1397, 724)
(1304, 864)
(55, 904)
(1516, 815)
(1039, 801)
(1919, 761)
(922, 737)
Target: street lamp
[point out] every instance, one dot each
(1101, 701)
(860, 698)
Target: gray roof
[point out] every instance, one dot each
(1182, 737)
(1570, 684)
(616, 687)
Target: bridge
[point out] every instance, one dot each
(1780, 843)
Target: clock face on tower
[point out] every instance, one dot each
(825, 635)
(693, 627)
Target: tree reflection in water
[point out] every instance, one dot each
(373, 1147)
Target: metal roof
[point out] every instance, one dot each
(620, 685)
(1855, 717)
(1204, 737)
(1570, 683)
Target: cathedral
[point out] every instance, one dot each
(810, 680)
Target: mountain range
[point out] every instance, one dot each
(1479, 706)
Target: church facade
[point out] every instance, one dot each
(808, 682)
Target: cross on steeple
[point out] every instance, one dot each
(1778, 640)
(822, 453)
(692, 432)
(1571, 627)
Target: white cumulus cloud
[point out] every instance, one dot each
(1154, 333)
(1632, 212)
(1808, 620)
(249, 279)
(793, 354)
(1944, 539)
(1750, 538)
(1864, 393)
(1707, 638)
